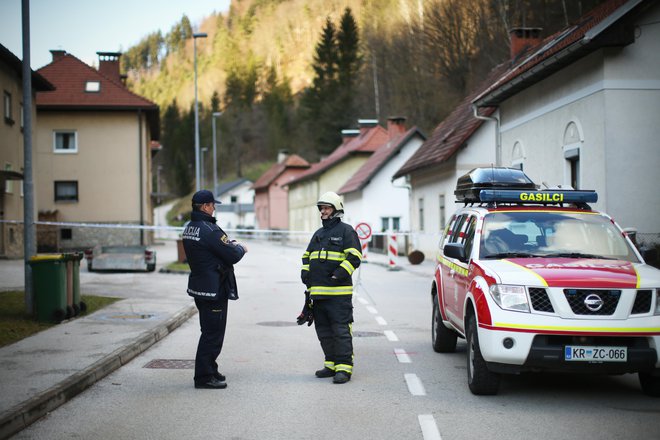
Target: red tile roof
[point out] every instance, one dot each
(293, 161)
(560, 49)
(452, 133)
(378, 160)
(366, 142)
(69, 75)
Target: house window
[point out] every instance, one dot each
(66, 191)
(7, 108)
(9, 184)
(420, 207)
(573, 140)
(385, 224)
(93, 86)
(233, 199)
(396, 223)
(517, 156)
(65, 141)
(22, 117)
(66, 233)
(442, 211)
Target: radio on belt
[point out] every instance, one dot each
(500, 185)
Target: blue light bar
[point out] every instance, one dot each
(538, 197)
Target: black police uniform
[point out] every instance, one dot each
(331, 257)
(211, 256)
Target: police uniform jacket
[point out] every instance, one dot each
(331, 258)
(211, 256)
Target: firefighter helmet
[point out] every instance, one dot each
(332, 199)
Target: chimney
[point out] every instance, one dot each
(282, 155)
(522, 39)
(57, 54)
(109, 65)
(396, 126)
(348, 134)
(366, 124)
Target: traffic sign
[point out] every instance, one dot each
(363, 231)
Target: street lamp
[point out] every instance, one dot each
(204, 150)
(197, 167)
(215, 158)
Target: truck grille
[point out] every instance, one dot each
(576, 299)
(642, 302)
(540, 300)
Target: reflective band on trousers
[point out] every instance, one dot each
(344, 367)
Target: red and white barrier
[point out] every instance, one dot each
(365, 249)
(392, 251)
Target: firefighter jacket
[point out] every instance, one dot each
(331, 257)
(211, 257)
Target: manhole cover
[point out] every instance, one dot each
(277, 324)
(366, 334)
(171, 364)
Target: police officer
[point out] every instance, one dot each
(331, 257)
(211, 256)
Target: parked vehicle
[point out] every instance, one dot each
(535, 280)
(121, 258)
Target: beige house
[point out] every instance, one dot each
(11, 150)
(93, 156)
(331, 173)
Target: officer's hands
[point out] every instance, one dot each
(245, 249)
(304, 276)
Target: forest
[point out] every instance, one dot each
(291, 74)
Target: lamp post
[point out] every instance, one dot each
(197, 167)
(203, 151)
(215, 158)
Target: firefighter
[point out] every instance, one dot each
(211, 256)
(333, 254)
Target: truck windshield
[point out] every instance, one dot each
(552, 234)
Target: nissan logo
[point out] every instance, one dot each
(593, 302)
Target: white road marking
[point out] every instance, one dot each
(363, 301)
(380, 320)
(402, 356)
(415, 385)
(429, 428)
(372, 310)
(391, 336)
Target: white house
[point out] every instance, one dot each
(237, 208)
(371, 195)
(582, 109)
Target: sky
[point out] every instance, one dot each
(84, 27)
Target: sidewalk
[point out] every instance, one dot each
(42, 372)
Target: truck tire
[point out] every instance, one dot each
(650, 383)
(481, 380)
(442, 338)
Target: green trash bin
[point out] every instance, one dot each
(75, 305)
(49, 283)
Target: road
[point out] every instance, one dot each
(401, 389)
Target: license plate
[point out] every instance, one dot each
(595, 354)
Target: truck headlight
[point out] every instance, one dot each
(510, 297)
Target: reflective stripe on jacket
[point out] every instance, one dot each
(333, 254)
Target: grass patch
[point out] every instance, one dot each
(15, 324)
(178, 267)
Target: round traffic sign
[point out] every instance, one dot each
(363, 231)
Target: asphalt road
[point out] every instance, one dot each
(401, 389)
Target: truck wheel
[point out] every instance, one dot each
(481, 380)
(443, 339)
(151, 267)
(650, 383)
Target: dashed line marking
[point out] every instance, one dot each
(391, 336)
(372, 310)
(363, 301)
(429, 428)
(380, 320)
(402, 356)
(415, 385)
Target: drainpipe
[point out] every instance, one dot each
(140, 184)
(498, 137)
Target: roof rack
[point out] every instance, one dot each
(511, 186)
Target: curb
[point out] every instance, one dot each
(24, 414)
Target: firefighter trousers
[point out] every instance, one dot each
(333, 320)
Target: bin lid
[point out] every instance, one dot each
(46, 257)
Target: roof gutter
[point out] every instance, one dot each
(498, 135)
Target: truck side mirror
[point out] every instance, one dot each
(455, 250)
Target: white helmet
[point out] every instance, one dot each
(332, 199)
